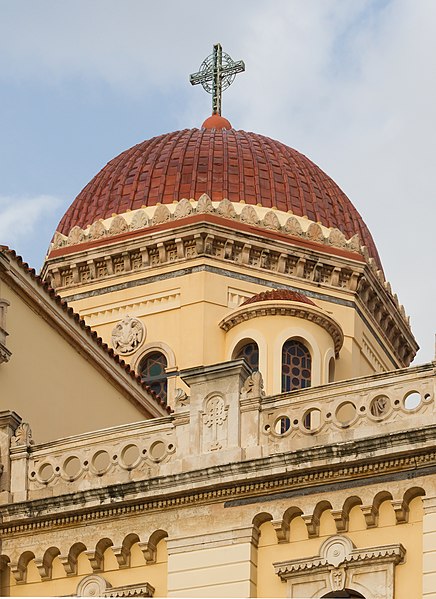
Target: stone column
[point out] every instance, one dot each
(215, 564)
(429, 548)
(9, 422)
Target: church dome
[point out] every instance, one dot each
(222, 163)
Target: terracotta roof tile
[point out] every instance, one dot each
(278, 295)
(223, 164)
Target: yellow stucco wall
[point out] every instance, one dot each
(50, 385)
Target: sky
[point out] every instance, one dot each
(351, 84)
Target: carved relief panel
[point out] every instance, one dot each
(214, 423)
(128, 335)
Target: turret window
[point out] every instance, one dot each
(296, 366)
(153, 374)
(250, 352)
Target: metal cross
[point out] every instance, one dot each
(215, 74)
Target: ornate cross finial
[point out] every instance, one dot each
(216, 73)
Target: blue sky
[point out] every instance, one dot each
(350, 84)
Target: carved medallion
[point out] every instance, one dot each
(128, 335)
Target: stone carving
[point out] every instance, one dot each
(270, 221)
(59, 240)
(118, 226)
(128, 335)
(249, 215)
(314, 233)
(215, 416)
(23, 436)
(92, 586)
(336, 550)
(181, 398)
(183, 209)
(337, 579)
(225, 208)
(293, 227)
(204, 204)
(253, 386)
(139, 220)
(97, 230)
(340, 565)
(379, 406)
(353, 243)
(75, 236)
(161, 215)
(337, 238)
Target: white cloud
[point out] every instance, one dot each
(351, 84)
(20, 217)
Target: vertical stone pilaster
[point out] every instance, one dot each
(429, 548)
(218, 564)
(9, 421)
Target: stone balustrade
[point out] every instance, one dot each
(225, 417)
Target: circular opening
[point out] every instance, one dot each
(157, 450)
(100, 461)
(345, 413)
(129, 455)
(267, 427)
(72, 466)
(412, 400)
(282, 425)
(46, 472)
(312, 419)
(144, 451)
(114, 457)
(427, 396)
(170, 447)
(295, 422)
(362, 408)
(328, 415)
(397, 402)
(379, 406)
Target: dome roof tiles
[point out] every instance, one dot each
(222, 163)
(278, 295)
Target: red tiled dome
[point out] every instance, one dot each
(278, 294)
(223, 164)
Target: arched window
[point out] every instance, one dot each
(152, 371)
(296, 366)
(250, 352)
(331, 370)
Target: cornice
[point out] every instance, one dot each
(286, 308)
(263, 479)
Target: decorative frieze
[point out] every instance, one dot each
(276, 257)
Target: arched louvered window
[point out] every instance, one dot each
(152, 371)
(250, 352)
(296, 366)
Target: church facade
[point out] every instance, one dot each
(207, 391)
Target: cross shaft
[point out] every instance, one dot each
(213, 71)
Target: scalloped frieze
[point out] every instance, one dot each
(97, 230)
(249, 216)
(184, 208)
(139, 220)
(226, 209)
(270, 221)
(204, 205)
(118, 225)
(161, 215)
(293, 227)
